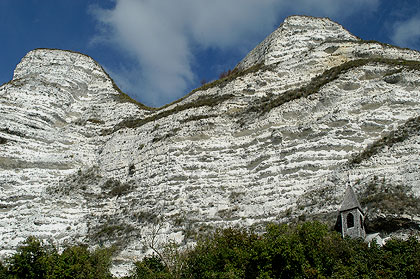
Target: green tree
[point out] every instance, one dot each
(226, 254)
(402, 258)
(34, 260)
(78, 262)
(151, 267)
(308, 250)
(29, 261)
(3, 271)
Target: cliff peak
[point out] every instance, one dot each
(295, 36)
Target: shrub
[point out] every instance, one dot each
(308, 250)
(226, 254)
(3, 271)
(79, 262)
(403, 258)
(227, 73)
(34, 259)
(150, 267)
(30, 261)
(96, 121)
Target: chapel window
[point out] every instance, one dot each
(350, 220)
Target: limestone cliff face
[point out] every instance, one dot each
(312, 107)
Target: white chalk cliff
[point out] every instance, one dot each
(310, 108)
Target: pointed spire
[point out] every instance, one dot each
(350, 200)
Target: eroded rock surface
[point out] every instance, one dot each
(312, 107)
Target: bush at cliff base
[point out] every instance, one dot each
(35, 259)
(308, 250)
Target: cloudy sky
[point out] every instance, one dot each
(158, 50)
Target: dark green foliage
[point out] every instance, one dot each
(3, 271)
(227, 254)
(79, 262)
(3, 140)
(308, 250)
(150, 268)
(30, 261)
(34, 259)
(403, 258)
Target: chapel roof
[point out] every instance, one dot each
(350, 200)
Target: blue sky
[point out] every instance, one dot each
(158, 50)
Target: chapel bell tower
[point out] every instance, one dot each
(352, 217)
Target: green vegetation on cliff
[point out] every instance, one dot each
(266, 104)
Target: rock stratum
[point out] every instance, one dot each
(308, 110)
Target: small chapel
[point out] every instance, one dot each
(351, 219)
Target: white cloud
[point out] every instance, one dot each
(407, 33)
(159, 46)
(161, 35)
